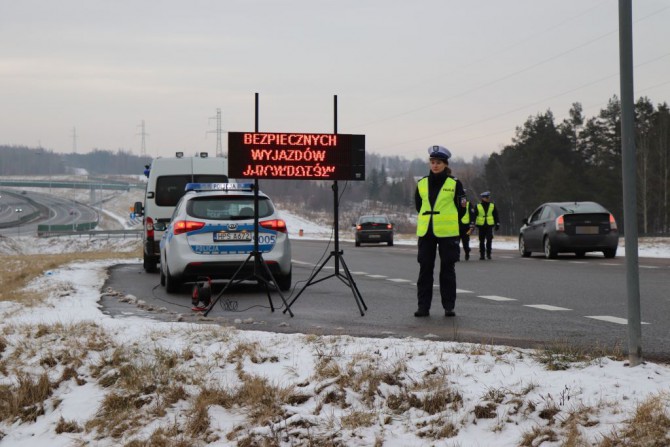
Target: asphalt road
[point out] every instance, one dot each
(525, 302)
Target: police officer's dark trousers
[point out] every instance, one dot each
(465, 240)
(485, 240)
(449, 251)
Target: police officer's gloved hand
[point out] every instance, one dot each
(497, 227)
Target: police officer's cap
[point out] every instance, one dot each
(485, 194)
(439, 152)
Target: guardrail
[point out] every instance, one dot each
(64, 184)
(125, 234)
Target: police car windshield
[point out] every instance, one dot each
(228, 207)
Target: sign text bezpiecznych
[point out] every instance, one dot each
(296, 156)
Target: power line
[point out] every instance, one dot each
(505, 77)
(525, 106)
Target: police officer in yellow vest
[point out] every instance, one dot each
(486, 221)
(440, 202)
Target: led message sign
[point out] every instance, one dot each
(297, 156)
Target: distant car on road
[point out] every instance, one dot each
(373, 228)
(569, 227)
(211, 234)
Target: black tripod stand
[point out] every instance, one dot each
(346, 278)
(260, 272)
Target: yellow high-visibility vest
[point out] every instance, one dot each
(444, 214)
(483, 217)
(466, 217)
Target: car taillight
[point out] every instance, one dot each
(274, 224)
(184, 226)
(150, 228)
(612, 223)
(560, 224)
(389, 226)
(358, 227)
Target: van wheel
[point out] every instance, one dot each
(150, 265)
(172, 284)
(162, 278)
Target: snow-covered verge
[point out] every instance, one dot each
(110, 382)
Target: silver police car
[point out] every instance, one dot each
(211, 234)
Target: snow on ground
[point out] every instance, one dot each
(502, 396)
(494, 377)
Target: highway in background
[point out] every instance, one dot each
(48, 209)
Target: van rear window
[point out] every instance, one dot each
(170, 188)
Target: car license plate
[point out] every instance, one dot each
(586, 230)
(373, 236)
(228, 236)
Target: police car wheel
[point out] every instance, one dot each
(284, 281)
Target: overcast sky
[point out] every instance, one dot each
(408, 74)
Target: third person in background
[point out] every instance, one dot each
(486, 221)
(467, 225)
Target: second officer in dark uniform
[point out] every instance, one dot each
(440, 202)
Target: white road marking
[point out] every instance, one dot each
(610, 319)
(495, 298)
(577, 262)
(546, 307)
(398, 280)
(648, 267)
(377, 276)
(463, 291)
(359, 273)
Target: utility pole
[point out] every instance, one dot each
(143, 148)
(219, 131)
(74, 140)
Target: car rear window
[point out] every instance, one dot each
(374, 219)
(170, 188)
(582, 207)
(228, 207)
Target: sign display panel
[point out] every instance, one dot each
(296, 156)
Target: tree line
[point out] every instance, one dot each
(578, 159)
(21, 160)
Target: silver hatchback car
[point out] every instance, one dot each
(211, 234)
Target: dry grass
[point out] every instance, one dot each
(16, 271)
(649, 427)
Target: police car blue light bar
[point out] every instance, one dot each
(219, 187)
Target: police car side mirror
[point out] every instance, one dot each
(138, 209)
(525, 221)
